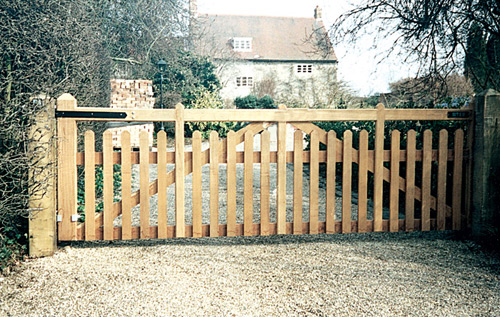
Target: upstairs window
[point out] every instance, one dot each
(305, 68)
(242, 44)
(244, 81)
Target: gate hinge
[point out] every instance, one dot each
(90, 114)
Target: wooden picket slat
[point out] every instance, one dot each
(457, 180)
(248, 185)
(330, 181)
(144, 183)
(378, 169)
(281, 183)
(89, 185)
(298, 172)
(179, 172)
(162, 184)
(107, 192)
(363, 181)
(314, 184)
(441, 184)
(346, 182)
(410, 180)
(231, 184)
(394, 189)
(426, 180)
(126, 169)
(264, 182)
(214, 184)
(196, 180)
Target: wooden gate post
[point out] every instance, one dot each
(42, 204)
(486, 165)
(67, 173)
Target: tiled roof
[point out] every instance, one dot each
(273, 38)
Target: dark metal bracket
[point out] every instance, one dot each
(458, 114)
(91, 114)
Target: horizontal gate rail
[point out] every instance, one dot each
(265, 115)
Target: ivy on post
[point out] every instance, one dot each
(42, 204)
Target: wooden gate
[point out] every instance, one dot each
(333, 185)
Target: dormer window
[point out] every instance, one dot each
(304, 68)
(242, 44)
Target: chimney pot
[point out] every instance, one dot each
(318, 14)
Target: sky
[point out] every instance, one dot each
(358, 66)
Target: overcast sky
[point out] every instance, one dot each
(357, 66)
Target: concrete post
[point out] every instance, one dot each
(486, 165)
(42, 205)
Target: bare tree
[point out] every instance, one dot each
(432, 33)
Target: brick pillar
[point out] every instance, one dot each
(486, 165)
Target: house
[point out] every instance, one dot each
(289, 58)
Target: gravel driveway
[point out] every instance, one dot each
(353, 274)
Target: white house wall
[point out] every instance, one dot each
(310, 88)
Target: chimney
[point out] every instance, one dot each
(318, 14)
(193, 8)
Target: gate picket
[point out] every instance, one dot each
(346, 182)
(441, 184)
(362, 181)
(89, 185)
(457, 180)
(426, 180)
(231, 184)
(248, 185)
(313, 183)
(297, 181)
(107, 192)
(394, 190)
(126, 186)
(196, 179)
(410, 180)
(214, 184)
(330, 181)
(264, 182)
(162, 184)
(144, 183)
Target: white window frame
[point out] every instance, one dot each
(244, 81)
(304, 68)
(242, 44)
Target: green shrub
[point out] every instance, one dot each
(99, 185)
(252, 102)
(266, 102)
(208, 99)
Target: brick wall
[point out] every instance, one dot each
(132, 94)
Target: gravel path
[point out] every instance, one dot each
(370, 274)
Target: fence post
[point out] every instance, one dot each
(486, 165)
(42, 204)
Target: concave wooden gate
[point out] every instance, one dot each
(396, 189)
